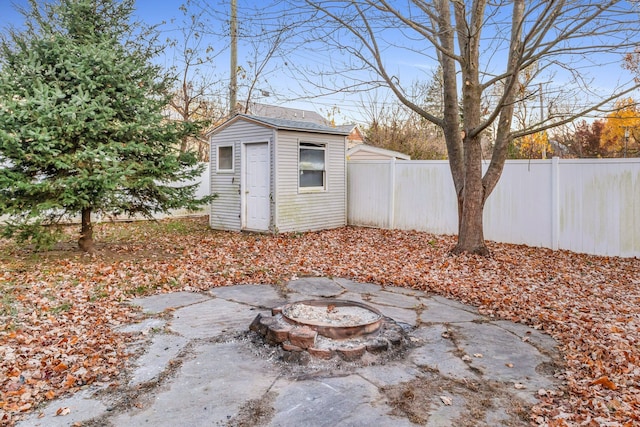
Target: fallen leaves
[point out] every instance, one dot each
(58, 310)
(605, 382)
(61, 412)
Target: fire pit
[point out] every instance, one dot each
(326, 327)
(335, 319)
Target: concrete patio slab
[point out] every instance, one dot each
(255, 295)
(347, 401)
(200, 366)
(81, 406)
(163, 349)
(316, 287)
(398, 314)
(395, 300)
(208, 389)
(439, 312)
(440, 354)
(212, 317)
(161, 302)
(357, 287)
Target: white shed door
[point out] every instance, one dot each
(257, 175)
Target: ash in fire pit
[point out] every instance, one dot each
(324, 328)
(335, 314)
(336, 319)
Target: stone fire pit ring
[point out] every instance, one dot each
(327, 327)
(333, 318)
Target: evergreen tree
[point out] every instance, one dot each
(82, 129)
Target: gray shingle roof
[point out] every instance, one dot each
(346, 128)
(279, 112)
(295, 125)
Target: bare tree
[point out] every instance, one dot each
(196, 97)
(267, 49)
(391, 125)
(482, 48)
(264, 38)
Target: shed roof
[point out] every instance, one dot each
(280, 112)
(377, 150)
(283, 124)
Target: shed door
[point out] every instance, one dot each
(257, 175)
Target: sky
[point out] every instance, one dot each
(281, 91)
(282, 80)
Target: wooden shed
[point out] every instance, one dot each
(277, 175)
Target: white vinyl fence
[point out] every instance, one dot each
(583, 205)
(203, 190)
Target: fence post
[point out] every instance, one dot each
(392, 193)
(555, 202)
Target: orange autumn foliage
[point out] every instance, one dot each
(626, 119)
(534, 146)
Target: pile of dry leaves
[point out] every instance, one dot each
(58, 309)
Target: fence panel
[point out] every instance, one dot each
(425, 198)
(519, 210)
(369, 198)
(586, 205)
(600, 206)
(203, 190)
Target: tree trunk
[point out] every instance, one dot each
(184, 144)
(86, 233)
(470, 234)
(471, 203)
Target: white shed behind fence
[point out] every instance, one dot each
(277, 175)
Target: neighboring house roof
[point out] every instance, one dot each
(348, 127)
(277, 112)
(376, 151)
(282, 124)
(355, 134)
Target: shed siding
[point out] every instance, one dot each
(225, 208)
(316, 210)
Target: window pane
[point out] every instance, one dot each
(310, 178)
(312, 166)
(311, 159)
(225, 158)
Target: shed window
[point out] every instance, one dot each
(225, 158)
(312, 166)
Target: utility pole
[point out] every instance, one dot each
(544, 144)
(233, 83)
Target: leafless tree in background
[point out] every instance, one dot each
(264, 42)
(482, 48)
(266, 55)
(394, 126)
(198, 93)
